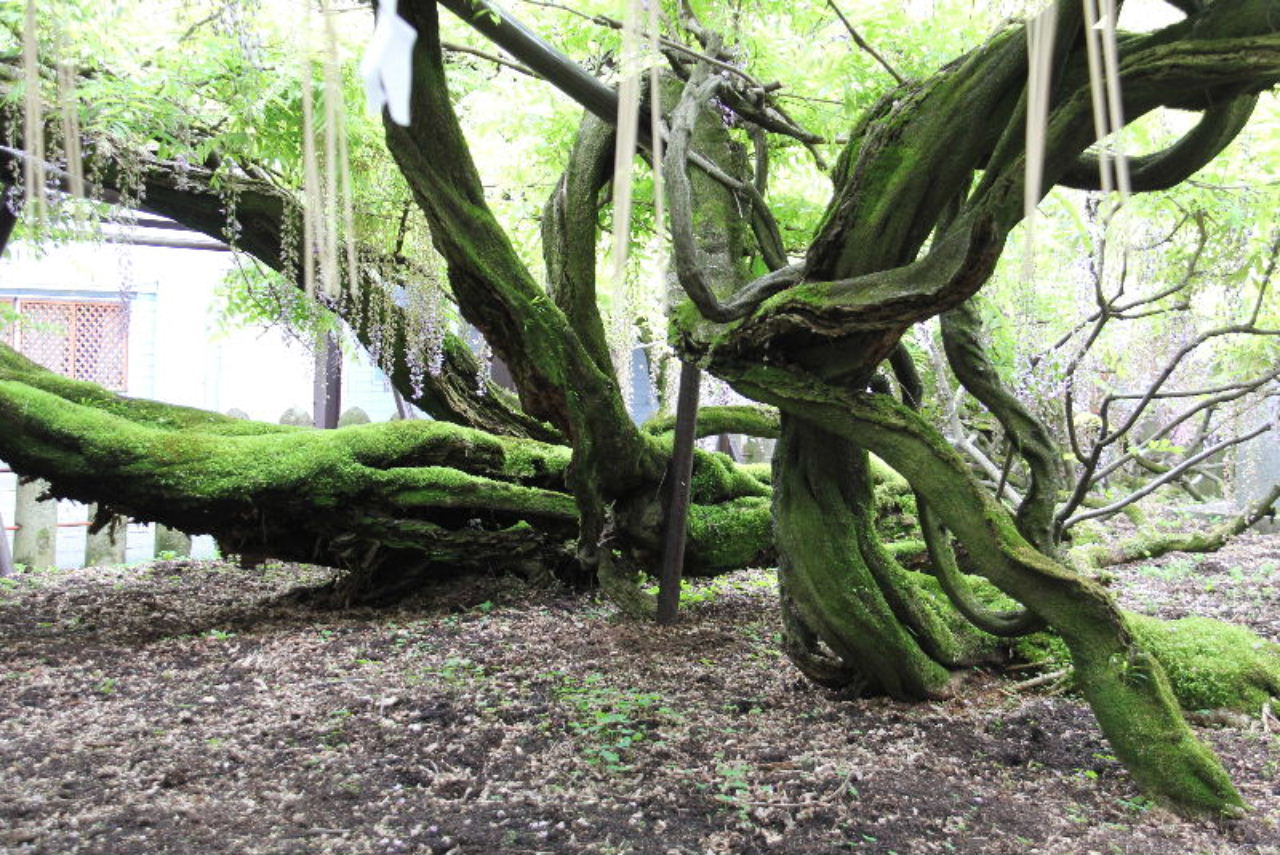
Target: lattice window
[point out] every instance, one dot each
(102, 345)
(84, 340)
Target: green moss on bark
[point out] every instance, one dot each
(738, 533)
(716, 477)
(349, 497)
(1211, 664)
(739, 419)
(823, 517)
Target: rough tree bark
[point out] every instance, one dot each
(815, 347)
(807, 337)
(398, 504)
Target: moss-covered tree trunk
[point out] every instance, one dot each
(815, 348)
(397, 504)
(924, 200)
(843, 589)
(1125, 684)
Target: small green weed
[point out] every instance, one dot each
(458, 670)
(336, 735)
(1170, 571)
(611, 721)
(1138, 804)
(734, 785)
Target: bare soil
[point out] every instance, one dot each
(193, 707)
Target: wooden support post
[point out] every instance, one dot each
(106, 546)
(6, 557)
(35, 541)
(327, 397)
(402, 409)
(681, 481)
(171, 541)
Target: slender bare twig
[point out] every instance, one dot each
(1107, 438)
(1043, 679)
(1266, 277)
(1207, 185)
(670, 44)
(491, 57)
(862, 43)
(811, 98)
(1110, 308)
(1246, 385)
(1156, 483)
(191, 30)
(1205, 406)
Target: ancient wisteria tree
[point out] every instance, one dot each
(926, 190)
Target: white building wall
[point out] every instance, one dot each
(142, 348)
(259, 372)
(364, 385)
(176, 353)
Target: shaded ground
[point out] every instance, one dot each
(184, 708)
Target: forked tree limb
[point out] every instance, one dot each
(961, 331)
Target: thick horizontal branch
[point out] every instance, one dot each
(335, 497)
(405, 499)
(740, 419)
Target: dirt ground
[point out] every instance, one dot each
(188, 707)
